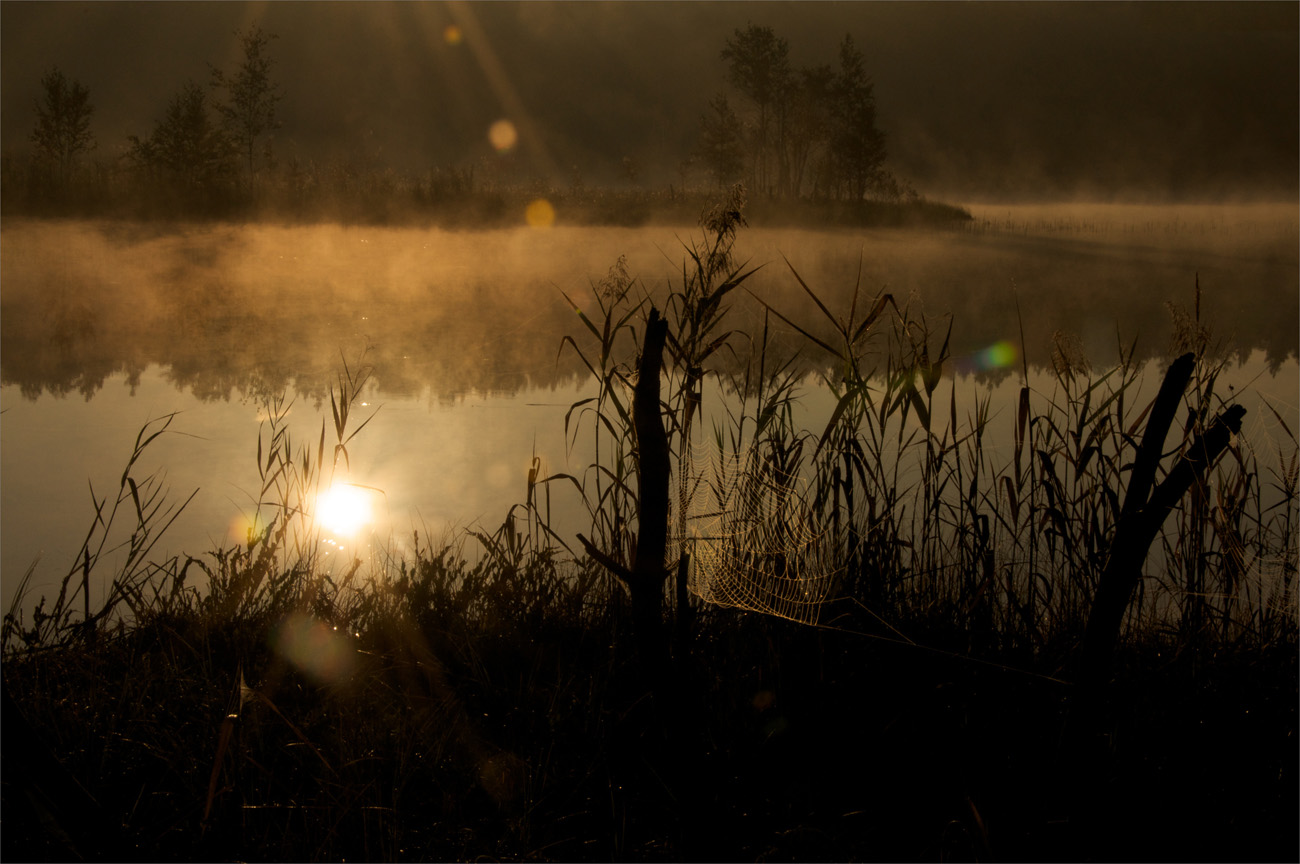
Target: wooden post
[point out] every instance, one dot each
(645, 580)
(648, 571)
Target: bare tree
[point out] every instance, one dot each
(62, 130)
(248, 112)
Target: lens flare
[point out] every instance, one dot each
(247, 529)
(540, 214)
(997, 356)
(503, 136)
(452, 34)
(315, 648)
(343, 510)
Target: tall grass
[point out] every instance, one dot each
(474, 698)
(928, 516)
(134, 588)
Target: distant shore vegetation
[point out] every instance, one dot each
(804, 142)
(337, 192)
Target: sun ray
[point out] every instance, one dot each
(515, 111)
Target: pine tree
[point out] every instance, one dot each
(857, 146)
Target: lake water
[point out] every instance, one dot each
(104, 326)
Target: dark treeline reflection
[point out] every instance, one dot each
(252, 310)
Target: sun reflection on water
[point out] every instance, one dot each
(344, 509)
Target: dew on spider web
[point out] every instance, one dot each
(754, 540)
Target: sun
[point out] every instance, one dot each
(344, 509)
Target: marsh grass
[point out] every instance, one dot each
(143, 505)
(478, 697)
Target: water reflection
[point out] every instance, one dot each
(251, 311)
(428, 466)
(463, 330)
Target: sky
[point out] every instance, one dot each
(981, 101)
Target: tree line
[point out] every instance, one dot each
(208, 140)
(787, 133)
(189, 148)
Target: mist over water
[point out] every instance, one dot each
(251, 309)
(104, 325)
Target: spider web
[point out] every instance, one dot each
(755, 542)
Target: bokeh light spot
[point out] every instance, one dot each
(343, 510)
(1000, 355)
(315, 649)
(997, 356)
(540, 214)
(452, 34)
(246, 529)
(503, 136)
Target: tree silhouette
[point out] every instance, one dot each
(251, 97)
(806, 124)
(62, 130)
(814, 123)
(759, 67)
(857, 146)
(720, 147)
(186, 145)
